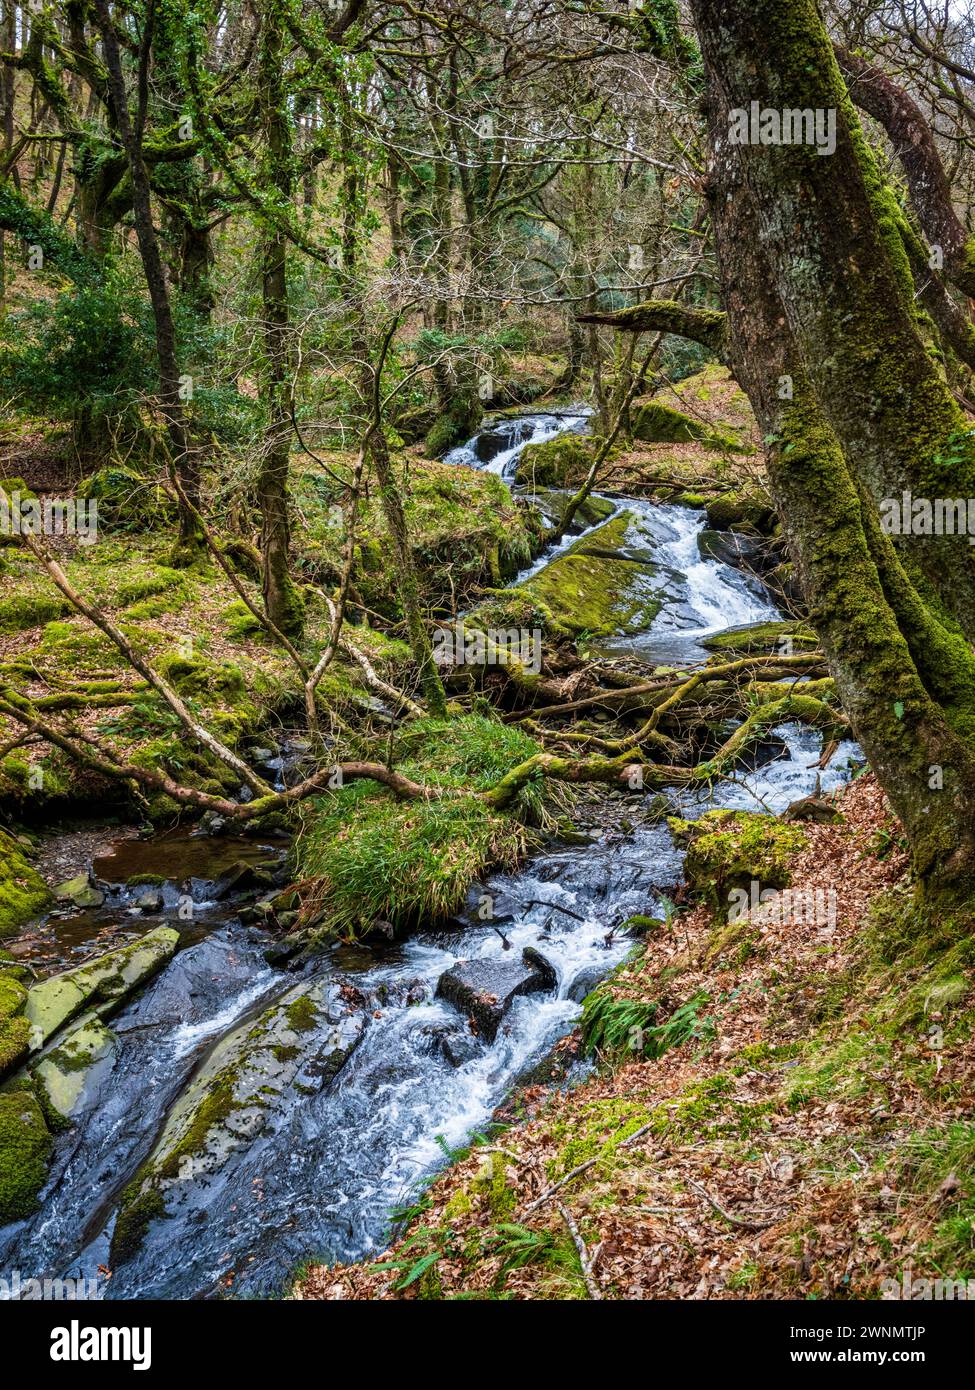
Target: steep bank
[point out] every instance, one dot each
(806, 1132)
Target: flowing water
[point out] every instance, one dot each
(323, 1176)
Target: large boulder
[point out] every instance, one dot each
(484, 989)
(561, 462)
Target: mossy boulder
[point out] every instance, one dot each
(127, 500)
(31, 607)
(654, 423)
(23, 893)
(107, 981)
(739, 509)
(606, 583)
(195, 675)
(70, 1076)
(25, 1148)
(591, 512)
(297, 1046)
(560, 462)
(731, 850)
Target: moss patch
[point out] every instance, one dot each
(25, 1147)
(23, 893)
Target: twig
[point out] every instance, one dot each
(734, 1220)
(584, 1259)
(582, 1168)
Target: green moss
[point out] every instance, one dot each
(606, 583)
(30, 609)
(14, 1028)
(493, 1188)
(740, 510)
(560, 462)
(728, 850)
(216, 1105)
(302, 1014)
(25, 1148)
(198, 676)
(127, 500)
(137, 1210)
(239, 621)
(23, 893)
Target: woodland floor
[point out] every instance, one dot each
(810, 1141)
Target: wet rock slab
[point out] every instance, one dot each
(108, 980)
(250, 1081)
(484, 989)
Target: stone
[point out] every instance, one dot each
(485, 988)
(248, 1081)
(106, 981)
(80, 891)
(72, 1073)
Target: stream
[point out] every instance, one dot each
(322, 1179)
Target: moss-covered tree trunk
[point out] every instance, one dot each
(406, 581)
(821, 336)
(282, 599)
(131, 132)
(830, 230)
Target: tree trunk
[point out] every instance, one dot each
(184, 462)
(282, 599)
(904, 680)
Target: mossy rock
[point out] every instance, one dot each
(31, 608)
(195, 675)
(23, 893)
(655, 423)
(128, 501)
(154, 581)
(69, 1076)
(25, 1148)
(758, 638)
(730, 850)
(107, 981)
(301, 1041)
(561, 462)
(605, 584)
(739, 510)
(589, 513)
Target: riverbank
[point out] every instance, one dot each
(806, 1134)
